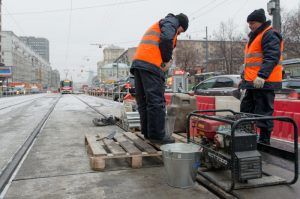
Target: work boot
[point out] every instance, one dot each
(165, 140)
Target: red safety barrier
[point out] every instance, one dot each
(203, 102)
(288, 108)
(277, 125)
(287, 105)
(282, 107)
(206, 103)
(168, 97)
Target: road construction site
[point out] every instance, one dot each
(45, 153)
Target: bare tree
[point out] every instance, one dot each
(187, 57)
(291, 34)
(229, 52)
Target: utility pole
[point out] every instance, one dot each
(206, 49)
(274, 10)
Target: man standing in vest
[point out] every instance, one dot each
(152, 59)
(263, 71)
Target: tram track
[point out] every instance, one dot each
(8, 171)
(102, 114)
(28, 100)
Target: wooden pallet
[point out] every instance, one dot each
(177, 137)
(124, 146)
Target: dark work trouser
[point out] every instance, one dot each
(260, 101)
(151, 103)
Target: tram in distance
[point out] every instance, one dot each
(66, 86)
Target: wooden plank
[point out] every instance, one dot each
(97, 163)
(114, 147)
(140, 135)
(95, 147)
(140, 143)
(127, 145)
(136, 162)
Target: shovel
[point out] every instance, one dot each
(110, 136)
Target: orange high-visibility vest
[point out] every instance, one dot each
(254, 59)
(148, 49)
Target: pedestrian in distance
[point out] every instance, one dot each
(152, 59)
(262, 72)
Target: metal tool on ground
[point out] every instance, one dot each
(104, 121)
(110, 136)
(230, 152)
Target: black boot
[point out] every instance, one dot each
(165, 140)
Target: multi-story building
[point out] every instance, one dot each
(27, 65)
(126, 57)
(55, 79)
(110, 54)
(38, 44)
(113, 72)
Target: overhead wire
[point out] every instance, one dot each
(68, 35)
(79, 8)
(205, 12)
(14, 20)
(240, 8)
(201, 8)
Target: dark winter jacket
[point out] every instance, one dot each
(168, 27)
(271, 55)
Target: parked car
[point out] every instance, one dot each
(20, 90)
(223, 85)
(34, 90)
(9, 91)
(292, 83)
(227, 85)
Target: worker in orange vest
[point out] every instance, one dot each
(262, 71)
(152, 59)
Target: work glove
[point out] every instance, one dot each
(258, 82)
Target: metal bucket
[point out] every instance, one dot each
(169, 125)
(181, 162)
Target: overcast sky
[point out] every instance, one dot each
(72, 25)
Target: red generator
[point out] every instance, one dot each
(200, 127)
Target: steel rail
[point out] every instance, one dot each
(10, 168)
(102, 114)
(19, 103)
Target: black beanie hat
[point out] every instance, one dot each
(183, 21)
(257, 15)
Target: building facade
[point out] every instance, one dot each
(113, 72)
(27, 65)
(110, 54)
(38, 44)
(55, 79)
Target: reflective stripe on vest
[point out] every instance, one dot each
(258, 64)
(148, 49)
(249, 55)
(254, 60)
(149, 42)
